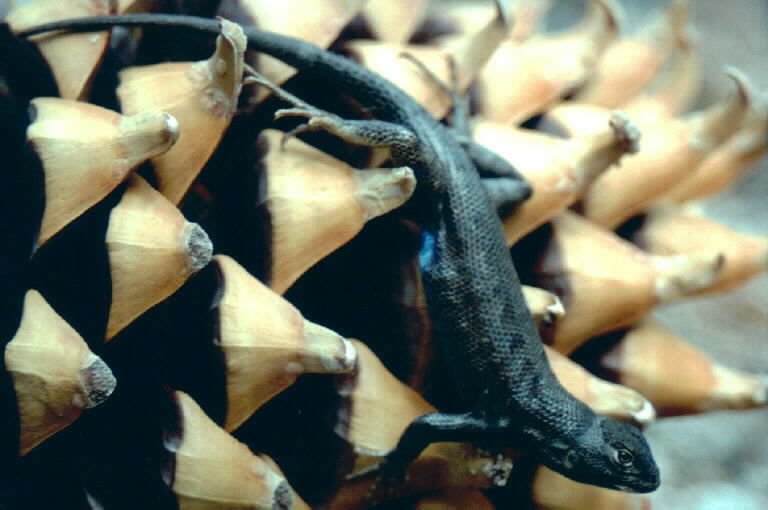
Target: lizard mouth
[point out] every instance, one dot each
(638, 485)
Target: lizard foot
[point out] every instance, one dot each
(369, 133)
(319, 120)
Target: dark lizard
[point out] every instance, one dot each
(482, 326)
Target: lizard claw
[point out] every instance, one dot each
(317, 118)
(301, 128)
(254, 77)
(295, 112)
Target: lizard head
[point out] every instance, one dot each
(608, 454)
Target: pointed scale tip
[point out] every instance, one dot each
(327, 352)
(383, 189)
(555, 311)
(147, 134)
(626, 131)
(744, 87)
(613, 15)
(760, 395)
(646, 415)
(199, 246)
(97, 380)
(736, 389)
(715, 124)
(682, 275)
(677, 15)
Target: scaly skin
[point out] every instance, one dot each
(482, 325)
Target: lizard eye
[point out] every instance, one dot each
(623, 457)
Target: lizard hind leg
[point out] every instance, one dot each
(506, 186)
(458, 117)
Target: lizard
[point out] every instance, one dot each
(482, 326)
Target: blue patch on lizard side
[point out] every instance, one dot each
(427, 250)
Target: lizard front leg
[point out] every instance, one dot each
(370, 133)
(433, 428)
